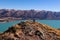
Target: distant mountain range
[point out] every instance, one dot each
(29, 14)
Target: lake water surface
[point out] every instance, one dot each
(52, 23)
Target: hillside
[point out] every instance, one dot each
(29, 14)
(30, 31)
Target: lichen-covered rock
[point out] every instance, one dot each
(30, 31)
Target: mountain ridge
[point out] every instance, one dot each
(29, 14)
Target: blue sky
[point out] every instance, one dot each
(51, 5)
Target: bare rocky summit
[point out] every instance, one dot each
(30, 31)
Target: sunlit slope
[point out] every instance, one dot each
(31, 31)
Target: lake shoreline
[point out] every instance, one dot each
(53, 23)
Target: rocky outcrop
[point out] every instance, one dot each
(30, 31)
(29, 14)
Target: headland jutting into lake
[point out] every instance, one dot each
(30, 30)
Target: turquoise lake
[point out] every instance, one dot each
(52, 23)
